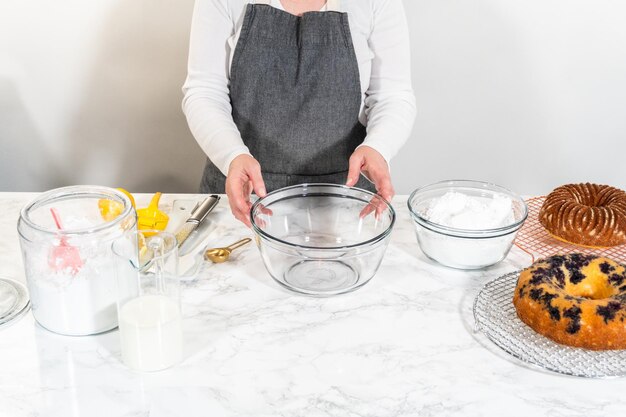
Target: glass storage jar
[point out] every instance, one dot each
(66, 237)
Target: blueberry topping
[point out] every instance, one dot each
(535, 293)
(539, 275)
(555, 314)
(616, 279)
(556, 261)
(606, 268)
(575, 263)
(546, 298)
(608, 311)
(573, 313)
(552, 273)
(576, 276)
(560, 277)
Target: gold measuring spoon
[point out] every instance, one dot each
(219, 255)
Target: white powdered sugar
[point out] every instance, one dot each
(74, 303)
(467, 247)
(461, 211)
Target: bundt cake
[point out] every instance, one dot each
(577, 300)
(586, 214)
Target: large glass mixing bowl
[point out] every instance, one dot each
(322, 239)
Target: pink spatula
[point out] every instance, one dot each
(64, 256)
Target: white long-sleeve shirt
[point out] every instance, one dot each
(381, 42)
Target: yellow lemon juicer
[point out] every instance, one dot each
(151, 218)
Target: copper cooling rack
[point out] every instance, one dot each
(534, 240)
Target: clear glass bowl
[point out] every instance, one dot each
(464, 248)
(322, 239)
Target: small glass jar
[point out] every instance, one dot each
(70, 269)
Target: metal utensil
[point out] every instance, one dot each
(198, 214)
(219, 255)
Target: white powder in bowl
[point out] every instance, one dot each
(460, 211)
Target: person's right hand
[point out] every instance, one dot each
(244, 176)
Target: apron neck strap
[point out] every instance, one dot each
(331, 5)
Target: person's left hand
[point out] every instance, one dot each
(371, 163)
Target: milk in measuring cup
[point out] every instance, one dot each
(151, 333)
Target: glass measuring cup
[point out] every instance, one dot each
(150, 319)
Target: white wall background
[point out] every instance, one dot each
(527, 94)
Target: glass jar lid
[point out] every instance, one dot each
(14, 301)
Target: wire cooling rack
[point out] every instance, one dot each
(533, 239)
(496, 317)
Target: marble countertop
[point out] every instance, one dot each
(403, 345)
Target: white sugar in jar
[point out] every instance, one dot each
(71, 272)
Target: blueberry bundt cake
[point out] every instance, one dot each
(577, 300)
(586, 214)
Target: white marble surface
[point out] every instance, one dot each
(403, 345)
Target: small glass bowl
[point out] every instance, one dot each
(464, 248)
(322, 239)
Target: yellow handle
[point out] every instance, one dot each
(151, 217)
(154, 203)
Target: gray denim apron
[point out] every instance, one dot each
(295, 94)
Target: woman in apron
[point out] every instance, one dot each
(279, 92)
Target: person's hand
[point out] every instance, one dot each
(244, 176)
(371, 163)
